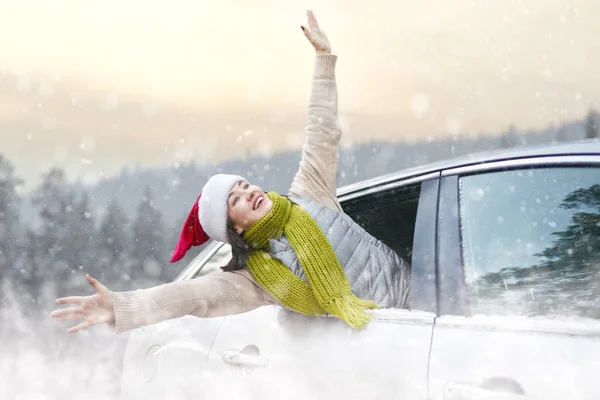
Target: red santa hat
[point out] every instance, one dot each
(208, 217)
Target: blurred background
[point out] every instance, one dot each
(113, 115)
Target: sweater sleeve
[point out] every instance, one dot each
(213, 295)
(316, 176)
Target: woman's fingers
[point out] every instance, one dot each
(91, 309)
(70, 300)
(69, 317)
(66, 311)
(76, 328)
(315, 35)
(96, 284)
(313, 25)
(306, 33)
(310, 35)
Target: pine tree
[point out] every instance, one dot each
(148, 250)
(592, 125)
(79, 251)
(33, 270)
(113, 242)
(55, 200)
(11, 236)
(561, 134)
(113, 231)
(509, 138)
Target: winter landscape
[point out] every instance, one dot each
(89, 183)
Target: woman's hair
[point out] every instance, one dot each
(239, 249)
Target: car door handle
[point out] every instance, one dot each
(472, 391)
(243, 359)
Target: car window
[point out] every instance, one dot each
(219, 259)
(389, 216)
(531, 241)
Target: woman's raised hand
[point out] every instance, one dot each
(315, 35)
(94, 309)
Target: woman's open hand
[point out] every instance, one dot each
(315, 35)
(94, 309)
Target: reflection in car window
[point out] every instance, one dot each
(389, 216)
(531, 241)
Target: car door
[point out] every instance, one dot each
(519, 281)
(167, 360)
(272, 353)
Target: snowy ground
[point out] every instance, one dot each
(39, 360)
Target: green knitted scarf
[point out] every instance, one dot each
(327, 290)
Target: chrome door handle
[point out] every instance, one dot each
(235, 357)
(249, 356)
(471, 391)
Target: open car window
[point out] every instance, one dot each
(389, 215)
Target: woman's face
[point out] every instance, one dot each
(247, 204)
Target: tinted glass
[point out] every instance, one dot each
(531, 241)
(389, 216)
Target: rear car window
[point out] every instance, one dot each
(531, 241)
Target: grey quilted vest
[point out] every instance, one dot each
(374, 270)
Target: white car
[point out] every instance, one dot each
(505, 285)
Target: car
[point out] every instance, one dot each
(504, 303)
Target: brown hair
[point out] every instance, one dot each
(239, 249)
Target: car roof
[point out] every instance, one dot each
(583, 147)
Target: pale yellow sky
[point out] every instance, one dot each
(92, 86)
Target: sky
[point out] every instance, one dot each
(95, 86)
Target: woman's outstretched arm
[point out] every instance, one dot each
(316, 177)
(212, 295)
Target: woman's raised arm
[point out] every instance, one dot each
(316, 176)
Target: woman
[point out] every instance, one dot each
(301, 251)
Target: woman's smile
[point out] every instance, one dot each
(247, 204)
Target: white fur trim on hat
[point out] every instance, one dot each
(212, 206)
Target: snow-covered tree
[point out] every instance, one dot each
(509, 138)
(32, 271)
(10, 227)
(113, 243)
(561, 134)
(592, 125)
(113, 231)
(80, 250)
(55, 201)
(148, 251)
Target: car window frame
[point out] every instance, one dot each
(452, 289)
(196, 265)
(423, 293)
